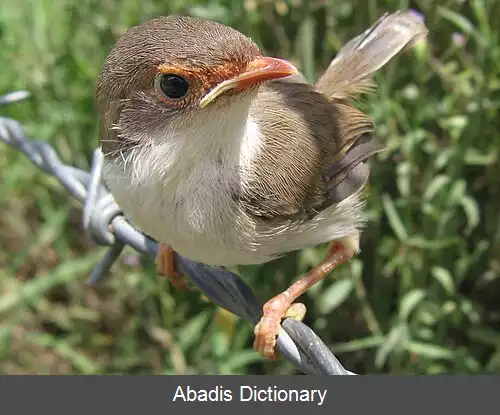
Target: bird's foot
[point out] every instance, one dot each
(267, 329)
(165, 266)
(283, 304)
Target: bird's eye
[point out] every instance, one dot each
(172, 86)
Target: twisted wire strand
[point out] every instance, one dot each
(104, 221)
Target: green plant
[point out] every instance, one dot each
(422, 297)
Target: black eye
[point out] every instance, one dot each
(172, 86)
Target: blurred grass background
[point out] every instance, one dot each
(423, 296)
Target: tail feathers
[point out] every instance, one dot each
(350, 72)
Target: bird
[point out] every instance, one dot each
(230, 157)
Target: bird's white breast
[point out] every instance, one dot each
(179, 187)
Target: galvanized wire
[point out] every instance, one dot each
(104, 221)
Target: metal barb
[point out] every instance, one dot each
(103, 220)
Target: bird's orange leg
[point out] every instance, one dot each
(165, 266)
(282, 305)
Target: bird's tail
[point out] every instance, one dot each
(350, 72)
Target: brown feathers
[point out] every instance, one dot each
(315, 140)
(350, 72)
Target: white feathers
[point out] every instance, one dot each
(250, 145)
(179, 188)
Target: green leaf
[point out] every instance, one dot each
(475, 157)
(409, 302)
(431, 351)
(358, 344)
(462, 23)
(240, 359)
(65, 350)
(457, 192)
(443, 157)
(394, 340)
(220, 344)
(435, 186)
(62, 274)
(335, 295)
(444, 278)
(306, 38)
(190, 334)
(394, 219)
(485, 335)
(493, 365)
(403, 178)
(471, 210)
(418, 241)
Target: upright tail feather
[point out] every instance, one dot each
(350, 72)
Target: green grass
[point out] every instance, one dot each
(423, 295)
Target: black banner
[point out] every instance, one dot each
(123, 395)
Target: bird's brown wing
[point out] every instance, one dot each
(317, 143)
(350, 74)
(312, 153)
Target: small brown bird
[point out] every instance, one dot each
(230, 158)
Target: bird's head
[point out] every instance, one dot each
(179, 74)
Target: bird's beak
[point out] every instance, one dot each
(259, 70)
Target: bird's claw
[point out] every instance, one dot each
(267, 329)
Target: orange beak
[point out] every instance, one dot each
(259, 70)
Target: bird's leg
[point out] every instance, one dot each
(165, 266)
(282, 305)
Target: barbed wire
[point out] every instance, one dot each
(104, 221)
